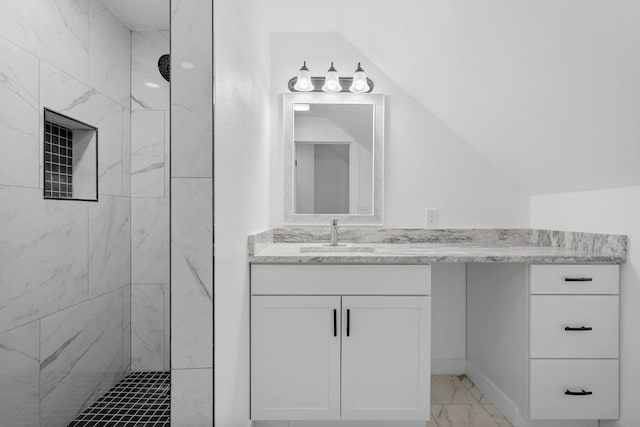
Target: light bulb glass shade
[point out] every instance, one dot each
(303, 81)
(332, 81)
(360, 83)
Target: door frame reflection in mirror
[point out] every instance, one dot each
(375, 217)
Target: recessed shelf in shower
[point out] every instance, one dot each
(70, 161)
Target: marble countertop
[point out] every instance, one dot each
(402, 246)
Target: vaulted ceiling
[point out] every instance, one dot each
(547, 91)
(141, 14)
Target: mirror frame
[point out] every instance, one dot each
(377, 101)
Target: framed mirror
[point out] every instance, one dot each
(334, 158)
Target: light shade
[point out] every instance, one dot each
(303, 82)
(360, 83)
(332, 81)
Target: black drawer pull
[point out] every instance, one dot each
(348, 321)
(581, 328)
(578, 393)
(578, 279)
(335, 322)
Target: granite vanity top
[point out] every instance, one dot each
(427, 246)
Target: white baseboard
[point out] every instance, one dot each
(448, 366)
(513, 413)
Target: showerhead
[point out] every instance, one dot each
(164, 66)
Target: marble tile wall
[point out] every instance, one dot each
(191, 213)
(64, 265)
(150, 203)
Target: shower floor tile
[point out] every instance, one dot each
(140, 399)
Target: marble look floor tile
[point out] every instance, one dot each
(18, 116)
(20, 376)
(147, 327)
(147, 46)
(497, 415)
(477, 393)
(81, 350)
(66, 95)
(109, 244)
(192, 272)
(448, 389)
(56, 30)
(147, 154)
(109, 53)
(43, 255)
(192, 397)
(462, 416)
(150, 240)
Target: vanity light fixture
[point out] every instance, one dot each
(303, 81)
(359, 84)
(332, 81)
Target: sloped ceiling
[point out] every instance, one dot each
(547, 91)
(141, 14)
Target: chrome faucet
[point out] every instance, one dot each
(334, 232)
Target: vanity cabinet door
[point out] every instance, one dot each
(385, 357)
(295, 357)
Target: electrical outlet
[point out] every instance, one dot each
(431, 217)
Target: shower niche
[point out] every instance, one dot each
(70, 160)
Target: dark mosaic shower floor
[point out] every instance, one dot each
(139, 399)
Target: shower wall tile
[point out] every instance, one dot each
(81, 351)
(146, 48)
(167, 328)
(192, 273)
(126, 328)
(150, 240)
(109, 53)
(126, 152)
(20, 375)
(66, 95)
(18, 116)
(147, 327)
(43, 255)
(192, 96)
(148, 154)
(55, 30)
(109, 244)
(167, 153)
(192, 397)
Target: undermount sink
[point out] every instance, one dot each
(339, 248)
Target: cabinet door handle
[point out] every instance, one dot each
(581, 328)
(335, 322)
(578, 393)
(578, 279)
(348, 321)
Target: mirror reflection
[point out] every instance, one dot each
(333, 158)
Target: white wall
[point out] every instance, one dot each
(241, 193)
(426, 163)
(527, 84)
(614, 211)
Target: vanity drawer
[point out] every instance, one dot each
(552, 314)
(552, 380)
(328, 279)
(574, 279)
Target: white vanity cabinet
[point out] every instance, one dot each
(574, 350)
(340, 342)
